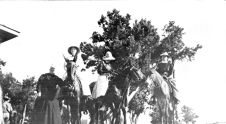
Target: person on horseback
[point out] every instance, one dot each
(73, 51)
(72, 91)
(165, 67)
(101, 86)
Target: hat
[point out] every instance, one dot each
(108, 56)
(73, 47)
(164, 54)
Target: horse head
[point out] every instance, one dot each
(70, 68)
(134, 72)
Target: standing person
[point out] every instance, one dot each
(7, 109)
(46, 108)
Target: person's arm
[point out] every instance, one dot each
(170, 69)
(57, 91)
(38, 89)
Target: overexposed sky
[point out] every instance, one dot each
(49, 28)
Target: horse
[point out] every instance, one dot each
(117, 93)
(129, 74)
(72, 93)
(163, 92)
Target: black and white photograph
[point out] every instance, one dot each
(112, 62)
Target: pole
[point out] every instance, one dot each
(24, 114)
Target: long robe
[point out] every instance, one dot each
(47, 109)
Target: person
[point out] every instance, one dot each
(46, 109)
(165, 67)
(7, 109)
(101, 86)
(74, 51)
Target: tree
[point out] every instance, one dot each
(6, 81)
(188, 115)
(125, 42)
(173, 43)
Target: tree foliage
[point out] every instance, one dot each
(125, 41)
(21, 93)
(173, 43)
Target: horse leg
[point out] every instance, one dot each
(75, 111)
(124, 115)
(92, 113)
(96, 112)
(79, 115)
(69, 114)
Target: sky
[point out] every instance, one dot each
(48, 28)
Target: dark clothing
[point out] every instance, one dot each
(101, 69)
(46, 108)
(165, 68)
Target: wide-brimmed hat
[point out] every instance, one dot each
(164, 54)
(73, 47)
(108, 56)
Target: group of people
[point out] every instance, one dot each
(47, 108)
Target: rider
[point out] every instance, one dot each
(74, 51)
(165, 68)
(104, 68)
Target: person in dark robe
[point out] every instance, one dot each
(46, 109)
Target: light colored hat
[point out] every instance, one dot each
(73, 47)
(108, 56)
(165, 54)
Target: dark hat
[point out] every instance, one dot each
(73, 47)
